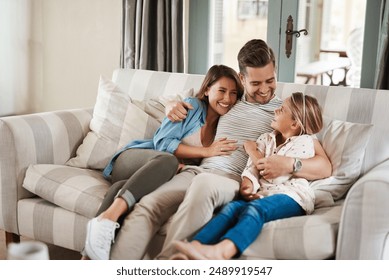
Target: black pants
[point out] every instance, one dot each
(136, 173)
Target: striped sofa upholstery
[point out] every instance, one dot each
(39, 145)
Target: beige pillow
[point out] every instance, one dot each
(345, 144)
(115, 122)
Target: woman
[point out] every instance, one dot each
(142, 166)
(238, 224)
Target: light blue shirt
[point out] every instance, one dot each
(169, 135)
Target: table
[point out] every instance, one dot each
(316, 69)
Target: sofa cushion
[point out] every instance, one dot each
(74, 189)
(115, 122)
(345, 144)
(306, 237)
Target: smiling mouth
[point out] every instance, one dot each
(224, 105)
(264, 94)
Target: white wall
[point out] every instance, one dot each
(52, 52)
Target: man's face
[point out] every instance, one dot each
(259, 83)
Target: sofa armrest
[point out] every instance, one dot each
(364, 225)
(50, 137)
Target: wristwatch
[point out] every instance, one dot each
(297, 165)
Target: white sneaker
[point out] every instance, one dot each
(100, 234)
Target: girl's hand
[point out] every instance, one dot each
(221, 147)
(246, 189)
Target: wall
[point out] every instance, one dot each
(52, 52)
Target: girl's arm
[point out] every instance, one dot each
(251, 173)
(252, 150)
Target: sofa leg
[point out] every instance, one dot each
(11, 237)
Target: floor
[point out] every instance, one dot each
(56, 253)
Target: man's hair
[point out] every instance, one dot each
(255, 53)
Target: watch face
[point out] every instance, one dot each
(297, 165)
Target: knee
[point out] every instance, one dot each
(256, 211)
(201, 186)
(168, 162)
(232, 208)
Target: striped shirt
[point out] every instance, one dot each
(245, 121)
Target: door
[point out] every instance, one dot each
(279, 12)
(331, 52)
(234, 22)
(330, 25)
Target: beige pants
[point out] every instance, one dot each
(193, 193)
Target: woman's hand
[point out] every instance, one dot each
(221, 147)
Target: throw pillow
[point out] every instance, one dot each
(155, 107)
(115, 122)
(345, 144)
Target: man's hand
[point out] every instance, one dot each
(274, 166)
(176, 111)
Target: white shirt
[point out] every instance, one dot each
(297, 188)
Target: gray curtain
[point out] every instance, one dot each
(153, 35)
(382, 74)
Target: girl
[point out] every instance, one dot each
(238, 224)
(143, 165)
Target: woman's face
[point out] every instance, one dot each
(222, 95)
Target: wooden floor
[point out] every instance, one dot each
(56, 253)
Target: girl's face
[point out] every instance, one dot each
(283, 120)
(222, 95)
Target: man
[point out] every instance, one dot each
(196, 192)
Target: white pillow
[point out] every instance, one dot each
(345, 144)
(115, 122)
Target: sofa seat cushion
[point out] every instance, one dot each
(74, 189)
(305, 237)
(41, 220)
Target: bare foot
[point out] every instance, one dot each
(85, 258)
(179, 256)
(224, 250)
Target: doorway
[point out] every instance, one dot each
(330, 54)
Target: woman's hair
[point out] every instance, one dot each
(255, 53)
(214, 74)
(307, 112)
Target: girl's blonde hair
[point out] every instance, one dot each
(307, 112)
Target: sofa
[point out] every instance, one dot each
(52, 184)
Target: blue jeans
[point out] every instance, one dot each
(241, 221)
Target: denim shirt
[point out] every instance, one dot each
(169, 135)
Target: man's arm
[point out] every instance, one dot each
(317, 167)
(176, 111)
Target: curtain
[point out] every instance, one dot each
(382, 74)
(17, 45)
(153, 35)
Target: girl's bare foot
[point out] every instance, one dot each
(196, 251)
